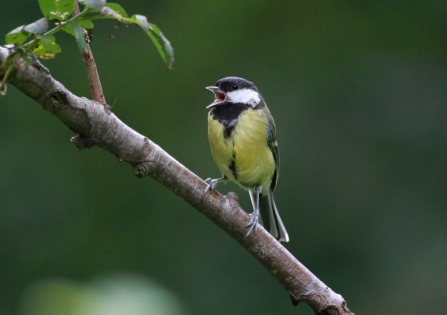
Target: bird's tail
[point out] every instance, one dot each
(269, 216)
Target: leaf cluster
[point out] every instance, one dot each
(35, 38)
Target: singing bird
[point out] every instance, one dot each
(242, 137)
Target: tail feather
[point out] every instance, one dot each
(269, 216)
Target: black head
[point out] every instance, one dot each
(229, 84)
(234, 90)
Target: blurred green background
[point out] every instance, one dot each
(358, 90)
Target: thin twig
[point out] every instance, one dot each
(90, 67)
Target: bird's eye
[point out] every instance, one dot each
(234, 87)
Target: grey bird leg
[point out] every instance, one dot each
(253, 222)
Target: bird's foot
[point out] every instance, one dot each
(252, 222)
(212, 183)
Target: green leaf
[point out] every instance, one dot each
(38, 27)
(166, 45)
(141, 20)
(116, 8)
(20, 34)
(87, 24)
(17, 36)
(79, 35)
(17, 29)
(94, 4)
(47, 47)
(160, 41)
(57, 9)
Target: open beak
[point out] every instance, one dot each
(220, 96)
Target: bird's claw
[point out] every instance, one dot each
(252, 223)
(212, 183)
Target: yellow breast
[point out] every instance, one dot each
(244, 157)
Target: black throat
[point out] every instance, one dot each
(227, 114)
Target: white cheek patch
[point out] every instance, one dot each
(246, 96)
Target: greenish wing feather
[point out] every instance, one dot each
(273, 145)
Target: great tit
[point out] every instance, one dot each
(241, 133)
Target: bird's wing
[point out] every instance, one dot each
(273, 145)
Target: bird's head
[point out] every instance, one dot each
(234, 90)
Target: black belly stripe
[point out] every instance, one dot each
(228, 130)
(232, 166)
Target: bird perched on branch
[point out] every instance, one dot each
(241, 133)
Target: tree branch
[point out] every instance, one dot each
(98, 126)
